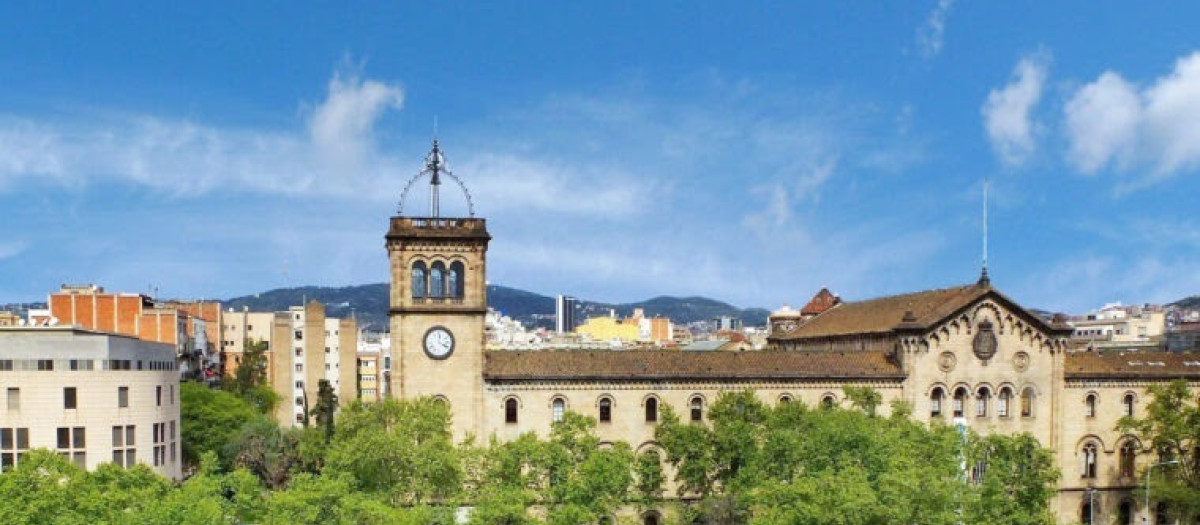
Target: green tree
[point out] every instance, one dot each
(1171, 428)
(326, 407)
(400, 450)
(210, 419)
(249, 380)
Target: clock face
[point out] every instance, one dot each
(439, 342)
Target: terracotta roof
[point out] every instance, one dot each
(666, 364)
(824, 300)
(1132, 365)
(884, 314)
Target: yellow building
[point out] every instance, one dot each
(608, 329)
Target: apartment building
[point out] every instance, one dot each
(94, 397)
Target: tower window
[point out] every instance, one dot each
(935, 402)
(651, 409)
(437, 280)
(455, 285)
(1089, 406)
(1005, 399)
(1128, 402)
(419, 283)
(982, 398)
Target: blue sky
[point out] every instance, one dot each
(747, 152)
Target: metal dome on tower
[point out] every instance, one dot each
(435, 168)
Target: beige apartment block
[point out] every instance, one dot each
(305, 348)
(93, 397)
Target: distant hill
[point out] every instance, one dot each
(1189, 303)
(369, 304)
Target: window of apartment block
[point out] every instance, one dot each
(299, 367)
(171, 438)
(14, 398)
(171, 394)
(158, 396)
(299, 351)
(122, 397)
(299, 335)
(69, 399)
(14, 442)
(45, 364)
(159, 435)
(124, 453)
(72, 444)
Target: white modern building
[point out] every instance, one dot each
(94, 397)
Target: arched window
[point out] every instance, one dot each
(437, 280)
(1090, 457)
(786, 398)
(982, 399)
(510, 410)
(650, 518)
(1085, 512)
(455, 288)
(828, 402)
(960, 398)
(1004, 400)
(1027, 397)
(557, 407)
(935, 402)
(697, 408)
(651, 409)
(420, 287)
(1089, 405)
(1128, 405)
(1125, 513)
(1128, 452)
(605, 410)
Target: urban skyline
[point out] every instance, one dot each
(748, 154)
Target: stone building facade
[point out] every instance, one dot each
(966, 355)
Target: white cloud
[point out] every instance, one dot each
(1102, 120)
(12, 248)
(181, 157)
(1110, 122)
(342, 125)
(1007, 113)
(931, 35)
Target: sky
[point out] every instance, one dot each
(748, 152)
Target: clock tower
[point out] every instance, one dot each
(438, 301)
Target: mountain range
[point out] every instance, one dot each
(369, 304)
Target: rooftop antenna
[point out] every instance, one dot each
(434, 163)
(983, 277)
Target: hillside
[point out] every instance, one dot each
(369, 304)
(1187, 303)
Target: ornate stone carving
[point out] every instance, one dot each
(985, 342)
(1021, 361)
(946, 361)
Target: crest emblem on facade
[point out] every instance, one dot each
(985, 342)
